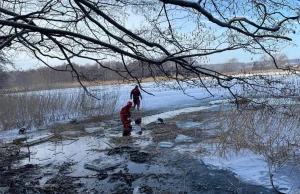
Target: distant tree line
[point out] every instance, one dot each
(47, 78)
(264, 63)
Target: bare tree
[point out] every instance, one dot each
(230, 65)
(282, 60)
(266, 62)
(3, 78)
(176, 31)
(3, 74)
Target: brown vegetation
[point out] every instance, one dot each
(273, 134)
(42, 108)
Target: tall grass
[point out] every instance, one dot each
(40, 108)
(270, 131)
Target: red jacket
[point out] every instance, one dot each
(125, 114)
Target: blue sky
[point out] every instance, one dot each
(24, 62)
(293, 52)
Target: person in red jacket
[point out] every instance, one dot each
(125, 119)
(136, 94)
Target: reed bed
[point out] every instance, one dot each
(41, 108)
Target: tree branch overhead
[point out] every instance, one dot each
(166, 36)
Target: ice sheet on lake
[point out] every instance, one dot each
(170, 114)
(32, 137)
(93, 129)
(183, 138)
(165, 144)
(187, 124)
(101, 165)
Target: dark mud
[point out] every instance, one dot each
(17, 179)
(174, 174)
(148, 171)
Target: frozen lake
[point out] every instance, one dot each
(248, 167)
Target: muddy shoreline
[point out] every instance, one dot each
(133, 165)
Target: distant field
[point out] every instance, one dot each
(77, 84)
(116, 82)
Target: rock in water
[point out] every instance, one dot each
(160, 120)
(73, 121)
(140, 132)
(22, 130)
(138, 121)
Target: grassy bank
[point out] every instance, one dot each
(37, 109)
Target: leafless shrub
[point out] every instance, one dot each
(273, 133)
(35, 109)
